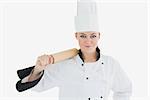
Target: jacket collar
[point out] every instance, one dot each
(98, 54)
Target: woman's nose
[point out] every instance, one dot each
(88, 38)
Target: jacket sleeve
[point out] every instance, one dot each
(51, 78)
(121, 85)
(22, 73)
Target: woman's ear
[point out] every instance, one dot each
(76, 35)
(99, 35)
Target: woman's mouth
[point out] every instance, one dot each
(87, 46)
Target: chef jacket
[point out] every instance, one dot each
(78, 80)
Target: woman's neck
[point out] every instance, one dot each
(89, 57)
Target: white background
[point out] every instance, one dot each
(29, 28)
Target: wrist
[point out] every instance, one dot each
(36, 71)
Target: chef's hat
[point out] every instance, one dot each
(86, 19)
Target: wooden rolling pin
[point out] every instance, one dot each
(60, 56)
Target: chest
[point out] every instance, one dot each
(88, 80)
(88, 75)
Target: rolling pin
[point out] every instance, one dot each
(60, 56)
(57, 57)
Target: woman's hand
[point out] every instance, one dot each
(41, 63)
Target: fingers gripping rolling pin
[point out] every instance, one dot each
(60, 56)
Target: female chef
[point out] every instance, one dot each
(89, 75)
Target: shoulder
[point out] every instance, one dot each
(108, 59)
(59, 66)
(110, 63)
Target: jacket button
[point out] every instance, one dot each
(87, 78)
(82, 64)
(102, 63)
(101, 96)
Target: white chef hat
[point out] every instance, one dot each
(86, 19)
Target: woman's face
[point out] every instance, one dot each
(88, 40)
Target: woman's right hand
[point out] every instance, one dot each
(42, 62)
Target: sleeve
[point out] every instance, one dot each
(22, 73)
(121, 85)
(51, 78)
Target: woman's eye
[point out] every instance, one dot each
(93, 36)
(82, 36)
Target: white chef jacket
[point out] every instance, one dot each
(86, 81)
